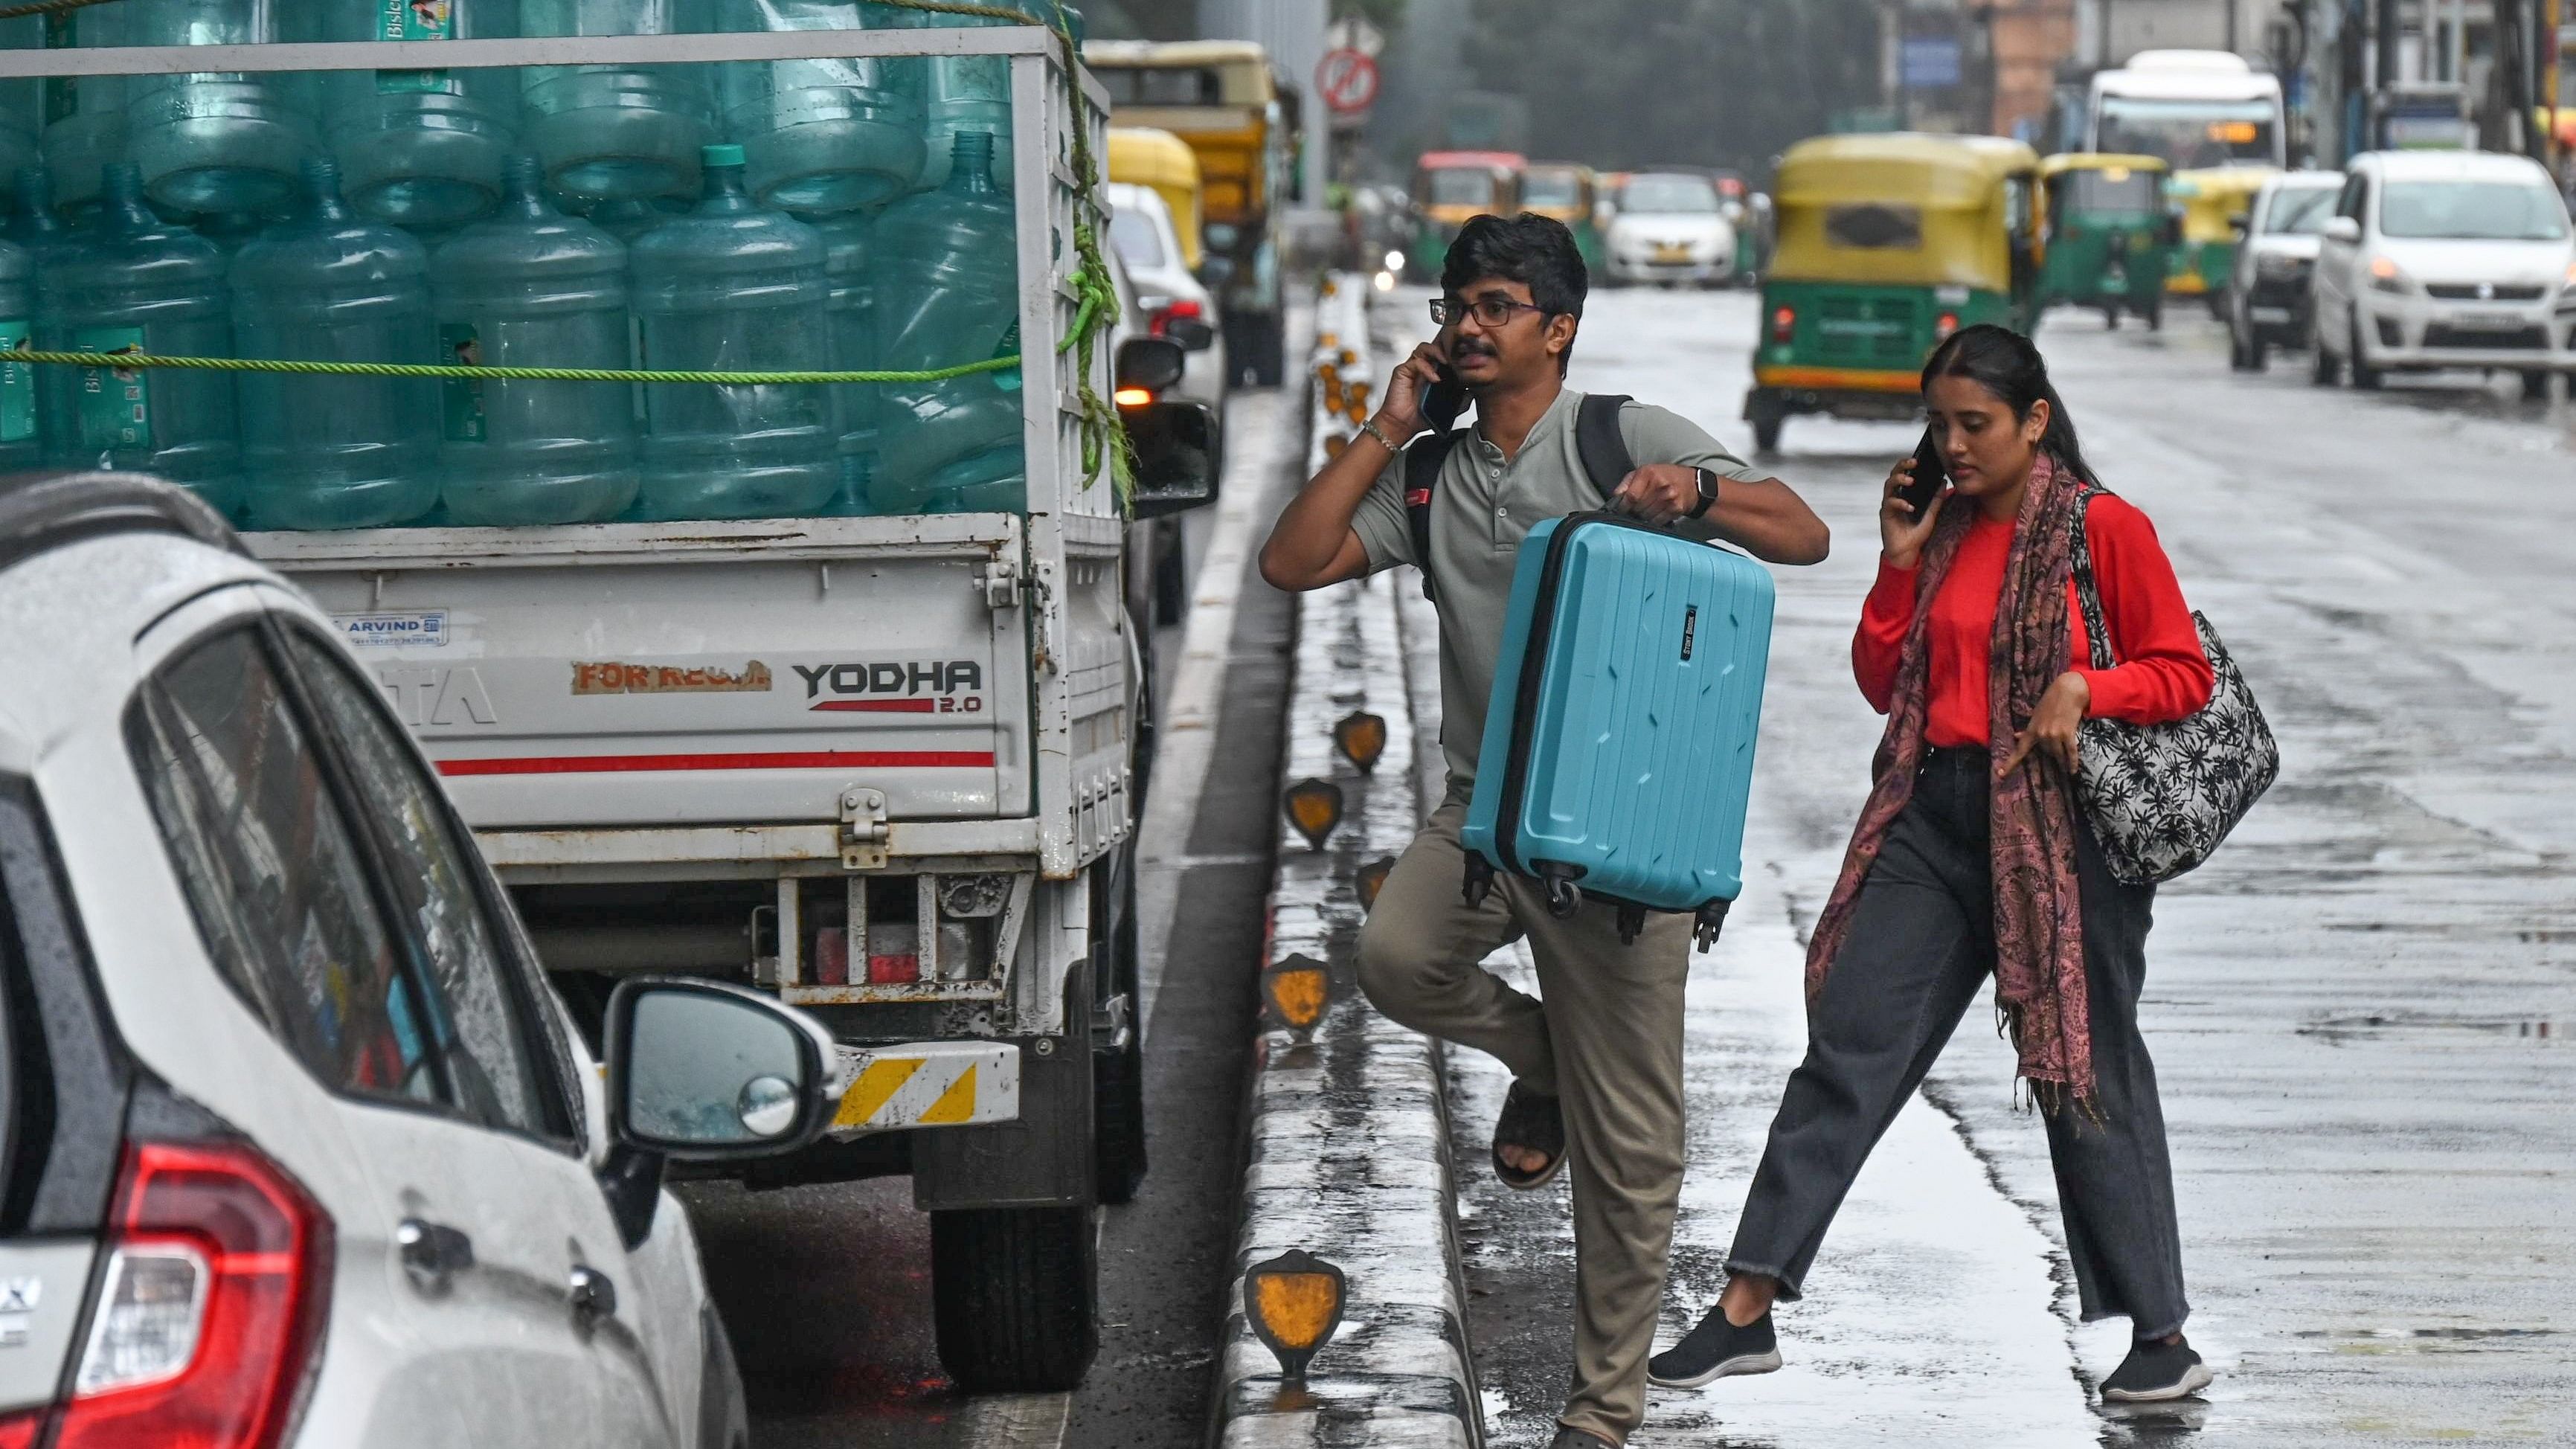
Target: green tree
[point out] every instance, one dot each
(1620, 84)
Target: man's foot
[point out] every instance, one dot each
(1715, 1350)
(2156, 1371)
(1577, 1439)
(1530, 1128)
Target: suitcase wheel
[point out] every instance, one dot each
(1480, 880)
(1632, 919)
(1712, 918)
(1563, 897)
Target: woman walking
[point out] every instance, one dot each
(1973, 856)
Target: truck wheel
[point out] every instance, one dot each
(1118, 1070)
(1015, 1297)
(1766, 415)
(1269, 350)
(1171, 574)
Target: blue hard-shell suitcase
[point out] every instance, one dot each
(1618, 745)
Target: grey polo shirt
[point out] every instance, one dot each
(1482, 509)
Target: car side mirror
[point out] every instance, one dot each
(1179, 458)
(2242, 227)
(1152, 363)
(705, 1071)
(1193, 334)
(2343, 229)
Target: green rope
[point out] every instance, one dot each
(122, 361)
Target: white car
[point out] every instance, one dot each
(1670, 227)
(2446, 259)
(2268, 294)
(1172, 301)
(320, 1160)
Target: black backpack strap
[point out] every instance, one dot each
(1423, 458)
(1603, 448)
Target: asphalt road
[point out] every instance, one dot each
(826, 1290)
(2359, 1011)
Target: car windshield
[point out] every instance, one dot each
(1461, 186)
(1546, 188)
(1670, 195)
(2473, 211)
(2301, 210)
(2188, 134)
(1138, 240)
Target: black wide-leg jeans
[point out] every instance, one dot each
(1920, 947)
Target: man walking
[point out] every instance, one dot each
(1597, 1062)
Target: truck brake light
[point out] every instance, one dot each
(211, 1316)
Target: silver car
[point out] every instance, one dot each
(2268, 294)
(302, 1149)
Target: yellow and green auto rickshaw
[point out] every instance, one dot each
(2215, 203)
(1450, 188)
(1888, 243)
(2110, 234)
(1566, 191)
(1144, 156)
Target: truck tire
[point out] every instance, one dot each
(1269, 349)
(1171, 573)
(1118, 1069)
(1015, 1297)
(1766, 414)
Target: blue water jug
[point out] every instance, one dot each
(607, 131)
(135, 283)
(83, 116)
(630, 217)
(534, 288)
(335, 452)
(19, 448)
(819, 136)
(35, 223)
(222, 141)
(420, 148)
(963, 94)
(21, 115)
(849, 242)
(734, 288)
(948, 293)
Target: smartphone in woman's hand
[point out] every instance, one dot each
(1931, 475)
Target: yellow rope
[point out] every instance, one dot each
(47, 7)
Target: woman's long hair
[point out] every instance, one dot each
(2008, 365)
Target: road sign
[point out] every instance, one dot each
(1353, 33)
(1347, 80)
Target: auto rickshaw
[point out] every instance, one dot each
(1144, 156)
(1450, 188)
(2214, 204)
(1568, 193)
(2110, 234)
(1888, 243)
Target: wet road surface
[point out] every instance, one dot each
(2359, 1010)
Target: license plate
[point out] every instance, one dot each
(2271, 314)
(2487, 322)
(1672, 252)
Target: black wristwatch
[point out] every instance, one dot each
(1707, 493)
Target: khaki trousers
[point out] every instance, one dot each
(1606, 1039)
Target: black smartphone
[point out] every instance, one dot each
(1931, 475)
(1447, 397)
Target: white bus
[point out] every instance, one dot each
(2194, 108)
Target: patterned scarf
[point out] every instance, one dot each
(2039, 935)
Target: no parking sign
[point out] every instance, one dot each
(1347, 80)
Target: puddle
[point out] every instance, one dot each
(2382, 1025)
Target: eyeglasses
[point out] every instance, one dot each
(1488, 311)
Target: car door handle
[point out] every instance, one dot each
(594, 1297)
(432, 1253)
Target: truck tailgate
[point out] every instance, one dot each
(696, 673)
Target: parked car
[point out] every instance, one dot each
(1170, 300)
(308, 1151)
(2268, 298)
(1670, 228)
(2446, 259)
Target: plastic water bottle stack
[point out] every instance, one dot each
(793, 215)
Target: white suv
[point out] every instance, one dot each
(296, 1146)
(2446, 259)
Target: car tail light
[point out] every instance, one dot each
(211, 1314)
(1178, 307)
(19, 1431)
(1944, 325)
(1784, 323)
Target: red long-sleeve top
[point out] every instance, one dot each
(2159, 672)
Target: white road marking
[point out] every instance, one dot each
(1016, 1421)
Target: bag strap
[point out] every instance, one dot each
(1598, 441)
(1423, 459)
(2088, 595)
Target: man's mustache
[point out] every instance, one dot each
(1470, 349)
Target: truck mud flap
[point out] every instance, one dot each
(1044, 1156)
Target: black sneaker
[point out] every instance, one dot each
(1716, 1349)
(2156, 1371)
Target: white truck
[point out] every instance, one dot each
(888, 767)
